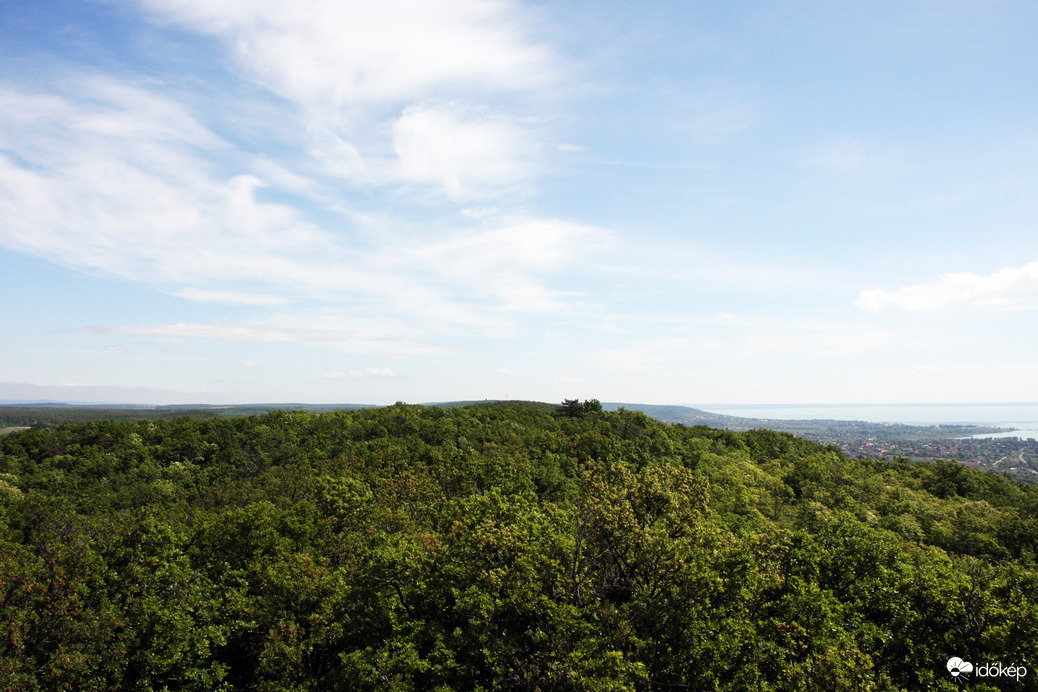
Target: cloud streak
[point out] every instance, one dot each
(393, 93)
(360, 374)
(422, 102)
(1010, 288)
(342, 332)
(323, 51)
(113, 179)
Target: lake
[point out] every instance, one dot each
(1023, 417)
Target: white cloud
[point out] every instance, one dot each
(369, 51)
(349, 334)
(463, 153)
(110, 111)
(360, 374)
(230, 297)
(120, 179)
(1008, 288)
(504, 264)
(112, 180)
(362, 75)
(137, 199)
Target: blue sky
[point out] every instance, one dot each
(427, 200)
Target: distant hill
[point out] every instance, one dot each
(53, 414)
(686, 415)
(48, 414)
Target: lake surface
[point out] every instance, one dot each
(1022, 417)
(1019, 432)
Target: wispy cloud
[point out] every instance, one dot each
(393, 92)
(710, 117)
(1010, 288)
(230, 297)
(323, 51)
(412, 98)
(504, 265)
(360, 374)
(349, 334)
(111, 178)
(846, 155)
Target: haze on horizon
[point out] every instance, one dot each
(434, 200)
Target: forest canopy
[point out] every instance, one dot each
(482, 547)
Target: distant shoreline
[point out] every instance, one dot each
(1007, 415)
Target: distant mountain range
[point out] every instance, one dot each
(19, 412)
(48, 413)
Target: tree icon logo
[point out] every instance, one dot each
(957, 667)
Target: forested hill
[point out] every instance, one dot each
(53, 414)
(480, 548)
(687, 415)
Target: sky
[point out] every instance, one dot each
(243, 201)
